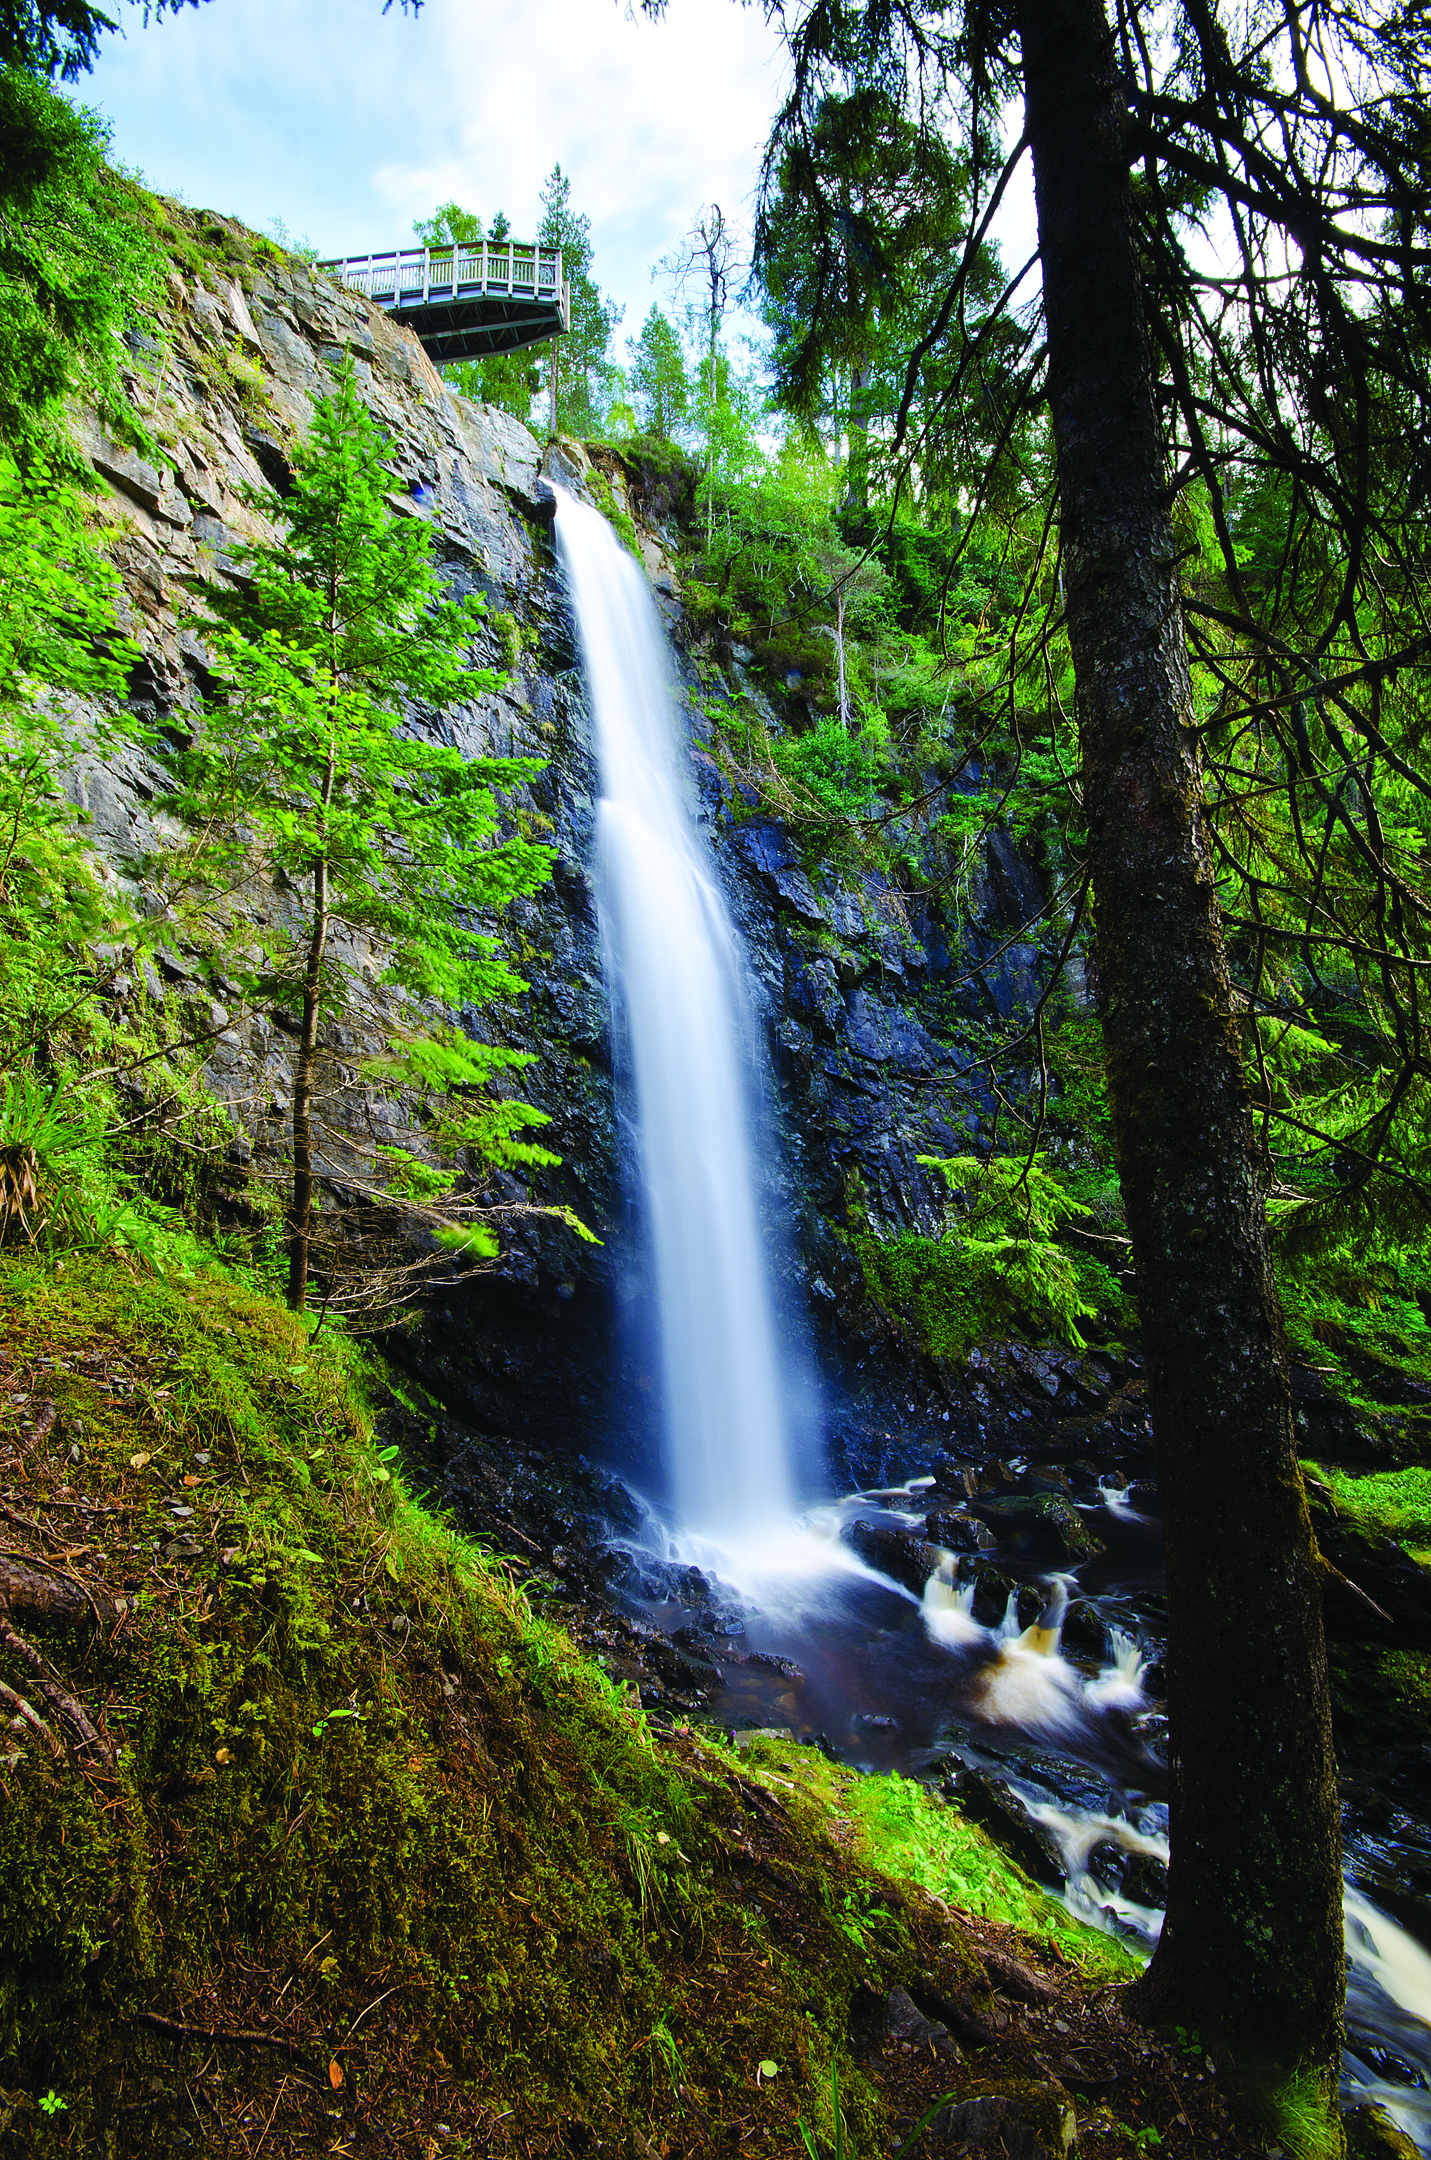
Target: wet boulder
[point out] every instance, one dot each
(959, 1533)
(1038, 1526)
(1084, 1632)
(1371, 2134)
(901, 1554)
(997, 1809)
(1145, 1879)
(950, 1475)
(683, 1670)
(992, 1590)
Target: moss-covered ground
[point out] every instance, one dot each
(368, 1860)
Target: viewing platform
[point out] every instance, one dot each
(466, 303)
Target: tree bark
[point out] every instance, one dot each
(840, 656)
(857, 483)
(301, 1213)
(28, 1595)
(1252, 1947)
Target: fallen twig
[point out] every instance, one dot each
(230, 2035)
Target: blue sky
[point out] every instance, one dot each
(347, 124)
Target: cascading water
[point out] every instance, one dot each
(678, 979)
(896, 1679)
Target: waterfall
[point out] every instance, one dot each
(677, 984)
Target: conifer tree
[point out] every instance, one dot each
(307, 768)
(1166, 385)
(57, 635)
(582, 357)
(658, 376)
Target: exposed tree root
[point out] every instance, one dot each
(67, 1705)
(33, 1596)
(18, 1706)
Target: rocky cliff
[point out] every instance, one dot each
(864, 995)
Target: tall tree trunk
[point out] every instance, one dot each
(857, 479)
(1252, 1947)
(301, 1213)
(840, 656)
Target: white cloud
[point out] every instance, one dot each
(347, 124)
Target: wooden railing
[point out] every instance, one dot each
(422, 277)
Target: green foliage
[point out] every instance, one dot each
(508, 380)
(852, 245)
(836, 2119)
(622, 523)
(78, 264)
(1303, 2113)
(305, 771)
(304, 761)
(349, 1754)
(761, 511)
(1356, 1289)
(1390, 1503)
(450, 225)
(837, 770)
(53, 1187)
(296, 1710)
(61, 37)
(1001, 1269)
(584, 366)
(903, 1830)
(1024, 1196)
(658, 377)
(69, 1180)
(57, 641)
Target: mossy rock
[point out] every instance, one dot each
(1021, 2118)
(1372, 2135)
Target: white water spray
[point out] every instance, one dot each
(678, 978)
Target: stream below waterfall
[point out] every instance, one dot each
(1028, 1698)
(994, 1628)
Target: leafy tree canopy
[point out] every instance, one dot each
(61, 37)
